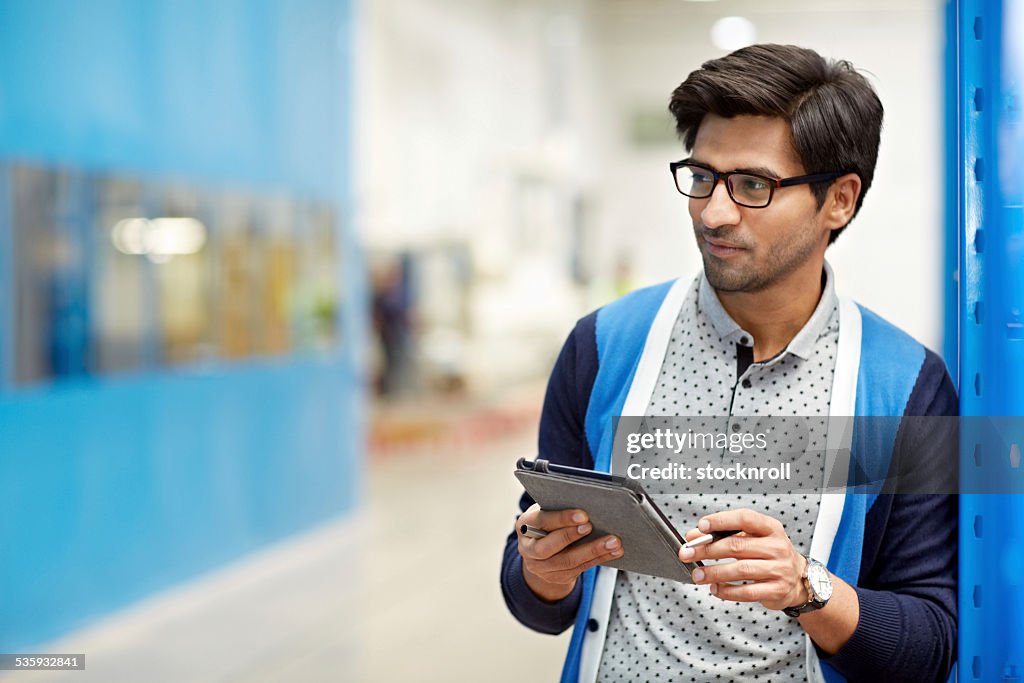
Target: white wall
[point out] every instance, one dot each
(468, 132)
(889, 258)
(482, 121)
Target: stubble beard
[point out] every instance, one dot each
(778, 260)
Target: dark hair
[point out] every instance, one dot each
(833, 112)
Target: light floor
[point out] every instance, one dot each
(406, 590)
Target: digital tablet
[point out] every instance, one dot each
(615, 505)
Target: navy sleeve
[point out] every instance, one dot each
(562, 440)
(908, 581)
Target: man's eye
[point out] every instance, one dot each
(701, 178)
(754, 185)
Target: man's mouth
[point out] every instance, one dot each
(722, 248)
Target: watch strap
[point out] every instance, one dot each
(808, 606)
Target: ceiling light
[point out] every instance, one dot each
(732, 33)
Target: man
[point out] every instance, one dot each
(783, 145)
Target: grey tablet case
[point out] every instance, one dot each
(616, 506)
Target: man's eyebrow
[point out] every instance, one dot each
(756, 170)
(759, 170)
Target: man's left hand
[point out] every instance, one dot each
(764, 556)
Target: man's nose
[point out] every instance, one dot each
(720, 209)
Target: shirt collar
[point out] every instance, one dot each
(801, 345)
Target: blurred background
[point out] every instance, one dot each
(281, 283)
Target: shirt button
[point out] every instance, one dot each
(747, 384)
(744, 341)
(592, 625)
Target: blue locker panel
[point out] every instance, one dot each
(112, 487)
(987, 229)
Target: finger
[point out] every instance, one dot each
(691, 554)
(550, 520)
(569, 564)
(751, 592)
(741, 570)
(576, 557)
(567, 575)
(740, 547)
(555, 542)
(754, 523)
(601, 559)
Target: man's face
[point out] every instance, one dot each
(744, 249)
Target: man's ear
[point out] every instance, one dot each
(841, 201)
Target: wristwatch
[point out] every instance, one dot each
(819, 588)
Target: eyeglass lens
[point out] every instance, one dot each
(697, 182)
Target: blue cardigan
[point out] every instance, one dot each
(898, 551)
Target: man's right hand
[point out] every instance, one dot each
(550, 566)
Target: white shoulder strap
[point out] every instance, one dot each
(842, 403)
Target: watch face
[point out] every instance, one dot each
(821, 582)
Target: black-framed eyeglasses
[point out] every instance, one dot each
(751, 190)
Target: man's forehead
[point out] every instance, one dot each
(746, 142)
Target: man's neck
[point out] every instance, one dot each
(775, 315)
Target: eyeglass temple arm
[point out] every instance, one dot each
(813, 178)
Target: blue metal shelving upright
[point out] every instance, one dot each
(985, 229)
